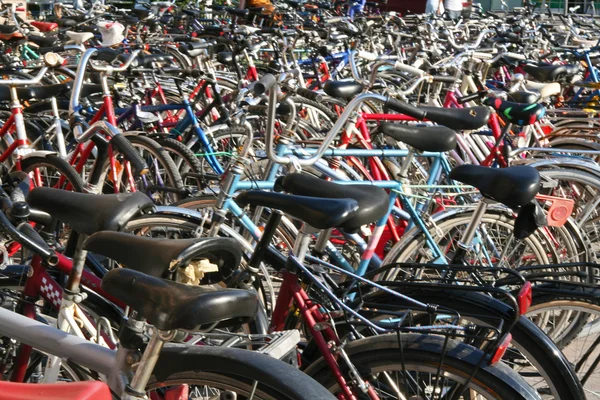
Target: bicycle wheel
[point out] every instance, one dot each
(426, 368)
(492, 247)
(229, 373)
(184, 159)
(532, 354)
(578, 343)
(52, 171)
(162, 183)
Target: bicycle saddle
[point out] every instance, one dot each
(373, 202)
(422, 138)
(512, 186)
(146, 60)
(342, 89)
(225, 57)
(89, 213)
(87, 390)
(192, 13)
(141, 13)
(549, 72)
(458, 118)
(318, 212)
(44, 26)
(524, 97)
(520, 114)
(7, 29)
(43, 41)
(36, 92)
(156, 257)
(170, 305)
(79, 37)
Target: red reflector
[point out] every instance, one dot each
(180, 392)
(524, 298)
(502, 348)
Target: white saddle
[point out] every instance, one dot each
(79, 37)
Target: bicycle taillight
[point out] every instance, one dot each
(524, 298)
(499, 353)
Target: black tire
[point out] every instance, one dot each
(184, 159)
(154, 151)
(276, 380)
(530, 341)
(423, 353)
(29, 164)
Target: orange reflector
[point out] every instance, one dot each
(560, 209)
(524, 298)
(502, 348)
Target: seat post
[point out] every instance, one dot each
(137, 388)
(72, 286)
(464, 244)
(303, 241)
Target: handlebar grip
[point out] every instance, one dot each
(264, 84)
(267, 30)
(405, 108)
(257, 110)
(444, 79)
(470, 97)
(55, 49)
(367, 55)
(516, 56)
(126, 148)
(309, 94)
(106, 54)
(409, 69)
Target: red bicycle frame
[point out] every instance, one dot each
(324, 337)
(40, 285)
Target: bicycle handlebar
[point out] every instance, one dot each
(25, 82)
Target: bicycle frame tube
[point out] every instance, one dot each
(56, 342)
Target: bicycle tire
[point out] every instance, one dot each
(423, 353)
(479, 308)
(28, 164)
(277, 380)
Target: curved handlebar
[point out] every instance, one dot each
(25, 82)
(468, 46)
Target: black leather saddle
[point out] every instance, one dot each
(156, 257)
(89, 213)
(373, 202)
(36, 92)
(342, 89)
(146, 60)
(520, 114)
(90, 89)
(192, 13)
(513, 186)
(318, 212)
(43, 41)
(66, 23)
(225, 58)
(237, 11)
(551, 73)
(170, 305)
(8, 29)
(423, 138)
(524, 97)
(142, 13)
(458, 118)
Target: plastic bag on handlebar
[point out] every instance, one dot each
(124, 146)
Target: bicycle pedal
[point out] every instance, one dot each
(283, 346)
